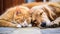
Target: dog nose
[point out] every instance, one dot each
(43, 24)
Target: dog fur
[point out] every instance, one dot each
(51, 10)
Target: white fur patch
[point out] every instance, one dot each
(57, 20)
(24, 23)
(19, 25)
(45, 18)
(29, 25)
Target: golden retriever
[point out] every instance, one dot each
(46, 14)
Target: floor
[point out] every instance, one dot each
(29, 30)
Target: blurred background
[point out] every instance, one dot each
(5, 4)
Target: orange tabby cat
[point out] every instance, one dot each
(15, 16)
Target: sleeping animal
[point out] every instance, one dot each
(46, 15)
(17, 16)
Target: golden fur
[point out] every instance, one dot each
(49, 10)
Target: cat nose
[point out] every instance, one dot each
(43, 24)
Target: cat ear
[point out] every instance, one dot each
(18, 11)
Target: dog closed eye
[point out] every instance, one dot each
(41, 13)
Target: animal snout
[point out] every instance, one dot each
(43, 24)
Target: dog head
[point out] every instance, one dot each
(39, 16)
(36, 16)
